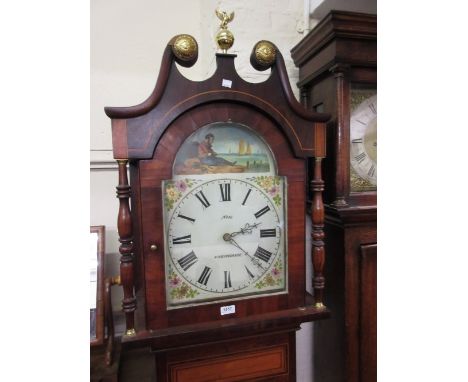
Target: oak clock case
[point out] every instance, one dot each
(212, 219)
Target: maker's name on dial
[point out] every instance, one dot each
(228, 255)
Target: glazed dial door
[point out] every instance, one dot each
(363, 134)
(225, 238)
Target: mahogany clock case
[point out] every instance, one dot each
(197, 340)
(149, 135)
(151, 173)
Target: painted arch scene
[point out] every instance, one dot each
(224, 147)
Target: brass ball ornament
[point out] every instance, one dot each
(185, 49)
(224, 39)
(263, 55)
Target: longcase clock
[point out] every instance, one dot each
(212, 220)
(337, 64)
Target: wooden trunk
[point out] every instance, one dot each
(195, 342)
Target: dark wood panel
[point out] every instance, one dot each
(348, 297)
(233, 367)
(263, 358)
(355, 236)
(368, 310)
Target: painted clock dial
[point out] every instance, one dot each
(363, 145)
(225, 222)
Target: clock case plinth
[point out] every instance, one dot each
(147, 137)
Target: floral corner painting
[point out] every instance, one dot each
(224, 147)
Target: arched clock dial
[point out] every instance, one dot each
(225, 236)
(363, 135)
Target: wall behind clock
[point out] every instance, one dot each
(128, 38)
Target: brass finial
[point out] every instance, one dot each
(185, 47)
(263, 55)
(224, 38)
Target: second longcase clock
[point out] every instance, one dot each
(337, 64)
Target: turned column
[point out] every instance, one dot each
(318, 235)
(124, 226)
(341, 135)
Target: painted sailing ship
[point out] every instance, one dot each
(244, 148)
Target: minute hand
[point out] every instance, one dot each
(255, 261)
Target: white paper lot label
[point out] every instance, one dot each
(227, 83)
(228, 309)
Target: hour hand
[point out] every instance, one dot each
(246, 229)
